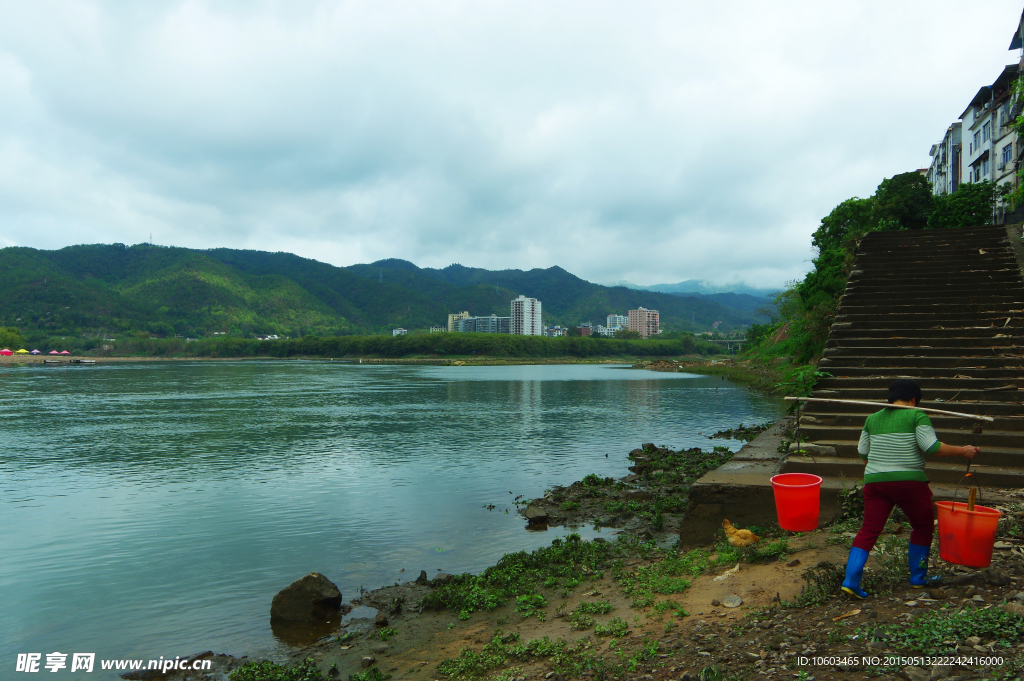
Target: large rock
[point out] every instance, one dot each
(313, 598)
(535, 515)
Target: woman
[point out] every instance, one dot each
(893, 444)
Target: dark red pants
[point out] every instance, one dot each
(913, 496)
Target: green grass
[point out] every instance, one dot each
(930, 634)
(566, 563)
(271, 671)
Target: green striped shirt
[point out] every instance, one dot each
(892, 442)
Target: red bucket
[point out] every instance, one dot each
(966, 537)
(797, 501)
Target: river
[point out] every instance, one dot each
(153, 509)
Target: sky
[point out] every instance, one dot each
(652, 142)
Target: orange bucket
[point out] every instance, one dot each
(797, 501)
(967, 537)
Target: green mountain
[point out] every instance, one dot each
(116, 289)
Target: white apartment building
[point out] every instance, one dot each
(989, 142)
(645, 322)
(944, 171)
(617, 320)
(398, 332)
(526, 317)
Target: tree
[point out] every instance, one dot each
(11, 338)
(906, 198)
(852, 216)
(627, 333)
(970, 205)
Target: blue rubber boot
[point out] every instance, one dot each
(854, 571)
(918, 559)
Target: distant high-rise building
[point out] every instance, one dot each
(398, 332)
(453, 320)
(645, 322)
(437, 329)
(526, 317)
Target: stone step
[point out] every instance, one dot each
(824, 415)
(899, 277)
(837, 352)
(1004, 411)
(832, 365)
(883, 240)
(927, 383)
(917, 373)
(900, 322)
(946, 395)
(984, 332)
(893, 301)
(942, 473)
(924, 288)
(995, 439)
(911, 343)
(850, 312)
(989, 456)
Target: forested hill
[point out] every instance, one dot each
(110, 289)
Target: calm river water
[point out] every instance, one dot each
(152, 509)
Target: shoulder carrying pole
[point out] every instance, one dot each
(894, 406)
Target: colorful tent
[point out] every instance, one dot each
(6, 353)
(54, 352)
(35, 352)
(23, 351)
(64, 352)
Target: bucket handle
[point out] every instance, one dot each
(967, 473)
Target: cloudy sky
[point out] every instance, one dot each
(643, 141)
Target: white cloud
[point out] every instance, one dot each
(652, 142)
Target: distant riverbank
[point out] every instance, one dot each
(413, 361)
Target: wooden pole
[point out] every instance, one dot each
(894, 406)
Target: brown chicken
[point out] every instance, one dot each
(739, 538)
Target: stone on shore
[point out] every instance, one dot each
(381, 620)
(536, 515)
(313, 598)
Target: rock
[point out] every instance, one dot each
(381, 620)
(648, 447)
(549, 675)
(876, 645)
(793, 563)
(1015, 608)
(686, 676)
(638, 495)
(367, 661)
(313, 598)
(918, 611)
(422, 579)
(978, 598)
(715, 602)
(379, 649)
(632, 477)
(915, 674)
(995, 577)
(972, 640)
(535, 515)
(732, 601)
(441, 577)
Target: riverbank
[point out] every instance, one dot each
(764, 376)
(636, 606)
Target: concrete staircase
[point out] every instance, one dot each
(946, 308)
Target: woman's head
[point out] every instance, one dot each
(904, 390)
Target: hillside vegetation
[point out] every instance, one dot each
(117, 291)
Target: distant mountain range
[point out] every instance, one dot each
(702, 287)
(108, 289)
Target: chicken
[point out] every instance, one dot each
(739, 538)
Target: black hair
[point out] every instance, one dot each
(905, 390)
